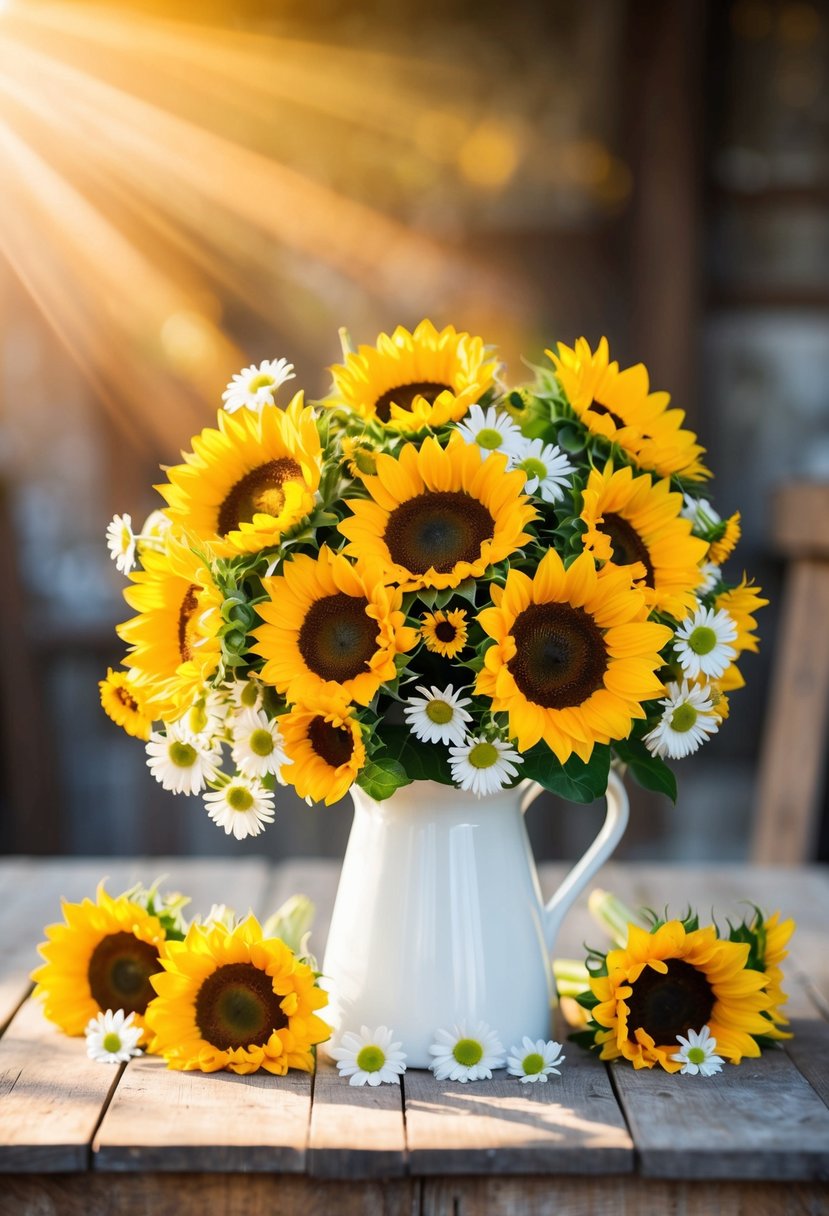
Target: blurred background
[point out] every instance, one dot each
(188, 188)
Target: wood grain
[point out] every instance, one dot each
(569, 1125)
(356, 1131)
(760, 1119)
(52, 1096)
(809, 1049)
(164, 1120)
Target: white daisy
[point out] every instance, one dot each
(492, 431)
(242, 807)
(548, 469)
(245, 694)
(687, 720)
(710, 578)
(255, 386)
(438, 716)
(534, 1061)
(369, 1057)
(121, 542)
(258, 746)
(702, 643)
(153, 531)
(466, 1054)
(111, 1037)
(179, 761)
(483, 766)
(204, 721)
(698, 1054)
(702, 515)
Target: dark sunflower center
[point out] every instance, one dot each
(119, 973)
(404, 394)
(337, 640)
(671, 1004)
(333, 744)
(126, 700)
(445, 631)
(236, 1006)
(259, 492)
(598, 408)
(185, 612)
(560, 657)
(438, 529)
(628, 546)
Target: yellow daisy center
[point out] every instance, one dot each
(111, 1042)
(628, 546)
(560, 657)
(249, 695)
(404, 395)
(533, 1064)
(263, 380)
(683, 717)
(261, 742)
(334, 744)
(371, 1059)
(534, 467)
(238, 798)
(696, 1055)
(119, 972)
(489, 438)
(467, 1052)
(437, 530)
(483, 755)
(236, 1006)
(702, 640)
(259, 492)
(665, 1005)
(337, 639)
(183, 755)
(439, 712)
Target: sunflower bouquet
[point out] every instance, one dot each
(429, 574)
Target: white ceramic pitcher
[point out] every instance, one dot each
(439, 916)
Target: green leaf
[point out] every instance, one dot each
(571, 439)
(380, 778)
(421, 761)
(650, 771)
(574, 780)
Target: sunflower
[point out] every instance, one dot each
(329, 629)
(619, 407)
(573, 656)
(250, 481)
(665, 983)
(722, 548)
(413, 380)
(740, 603)
(230, 998)
(632, 519)
(101, 957)
(437, 515)
(174, 641)
(444, 632)
(325, 745)
(124, 702)
(776, 934)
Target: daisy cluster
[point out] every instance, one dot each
(429, 574)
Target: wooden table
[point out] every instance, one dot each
(80, 1137)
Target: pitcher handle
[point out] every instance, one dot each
(611, 833)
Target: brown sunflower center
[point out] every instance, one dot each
(628, 546)
(337, 640)
(445, 631)
(436, 530)
(126, 700)
(404, 395)
(671, 1004)
(598, 408)
(560, 657)
(259, 492)
(119, 973)
(185, 615)
(236, 1006)
(333, 744)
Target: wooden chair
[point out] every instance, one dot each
(792, 758)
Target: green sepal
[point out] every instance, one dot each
(587, 999)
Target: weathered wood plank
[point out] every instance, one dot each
(759, 1120)
(809, 1048)
(356, 1131)
(617, 1196)
(570, 1125)
(164, 1120)
(52, 1096)
(143, 1194)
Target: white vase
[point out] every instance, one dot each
(439, 916)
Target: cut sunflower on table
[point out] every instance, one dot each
(230, 998)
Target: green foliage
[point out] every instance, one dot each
(651, 772)
(419, 761)
(380, 777)
(573, 780)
